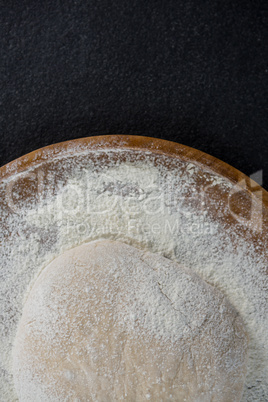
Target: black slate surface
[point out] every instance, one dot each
(190, 71)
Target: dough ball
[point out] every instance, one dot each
(108, 322)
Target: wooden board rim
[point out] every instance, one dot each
(137, 142)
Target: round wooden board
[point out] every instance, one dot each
(232, 201)
(245, 192)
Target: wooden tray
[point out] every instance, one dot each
(227, 196)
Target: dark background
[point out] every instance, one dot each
(190, 71)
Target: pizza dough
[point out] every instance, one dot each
(108, 322)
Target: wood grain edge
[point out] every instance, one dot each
(137, 142)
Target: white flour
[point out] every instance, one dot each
(142, 203)
(126, 322)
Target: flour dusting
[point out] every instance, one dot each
(163, 205)
(106, 321)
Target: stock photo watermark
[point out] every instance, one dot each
(102, 195)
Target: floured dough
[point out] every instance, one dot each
(107, 322)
